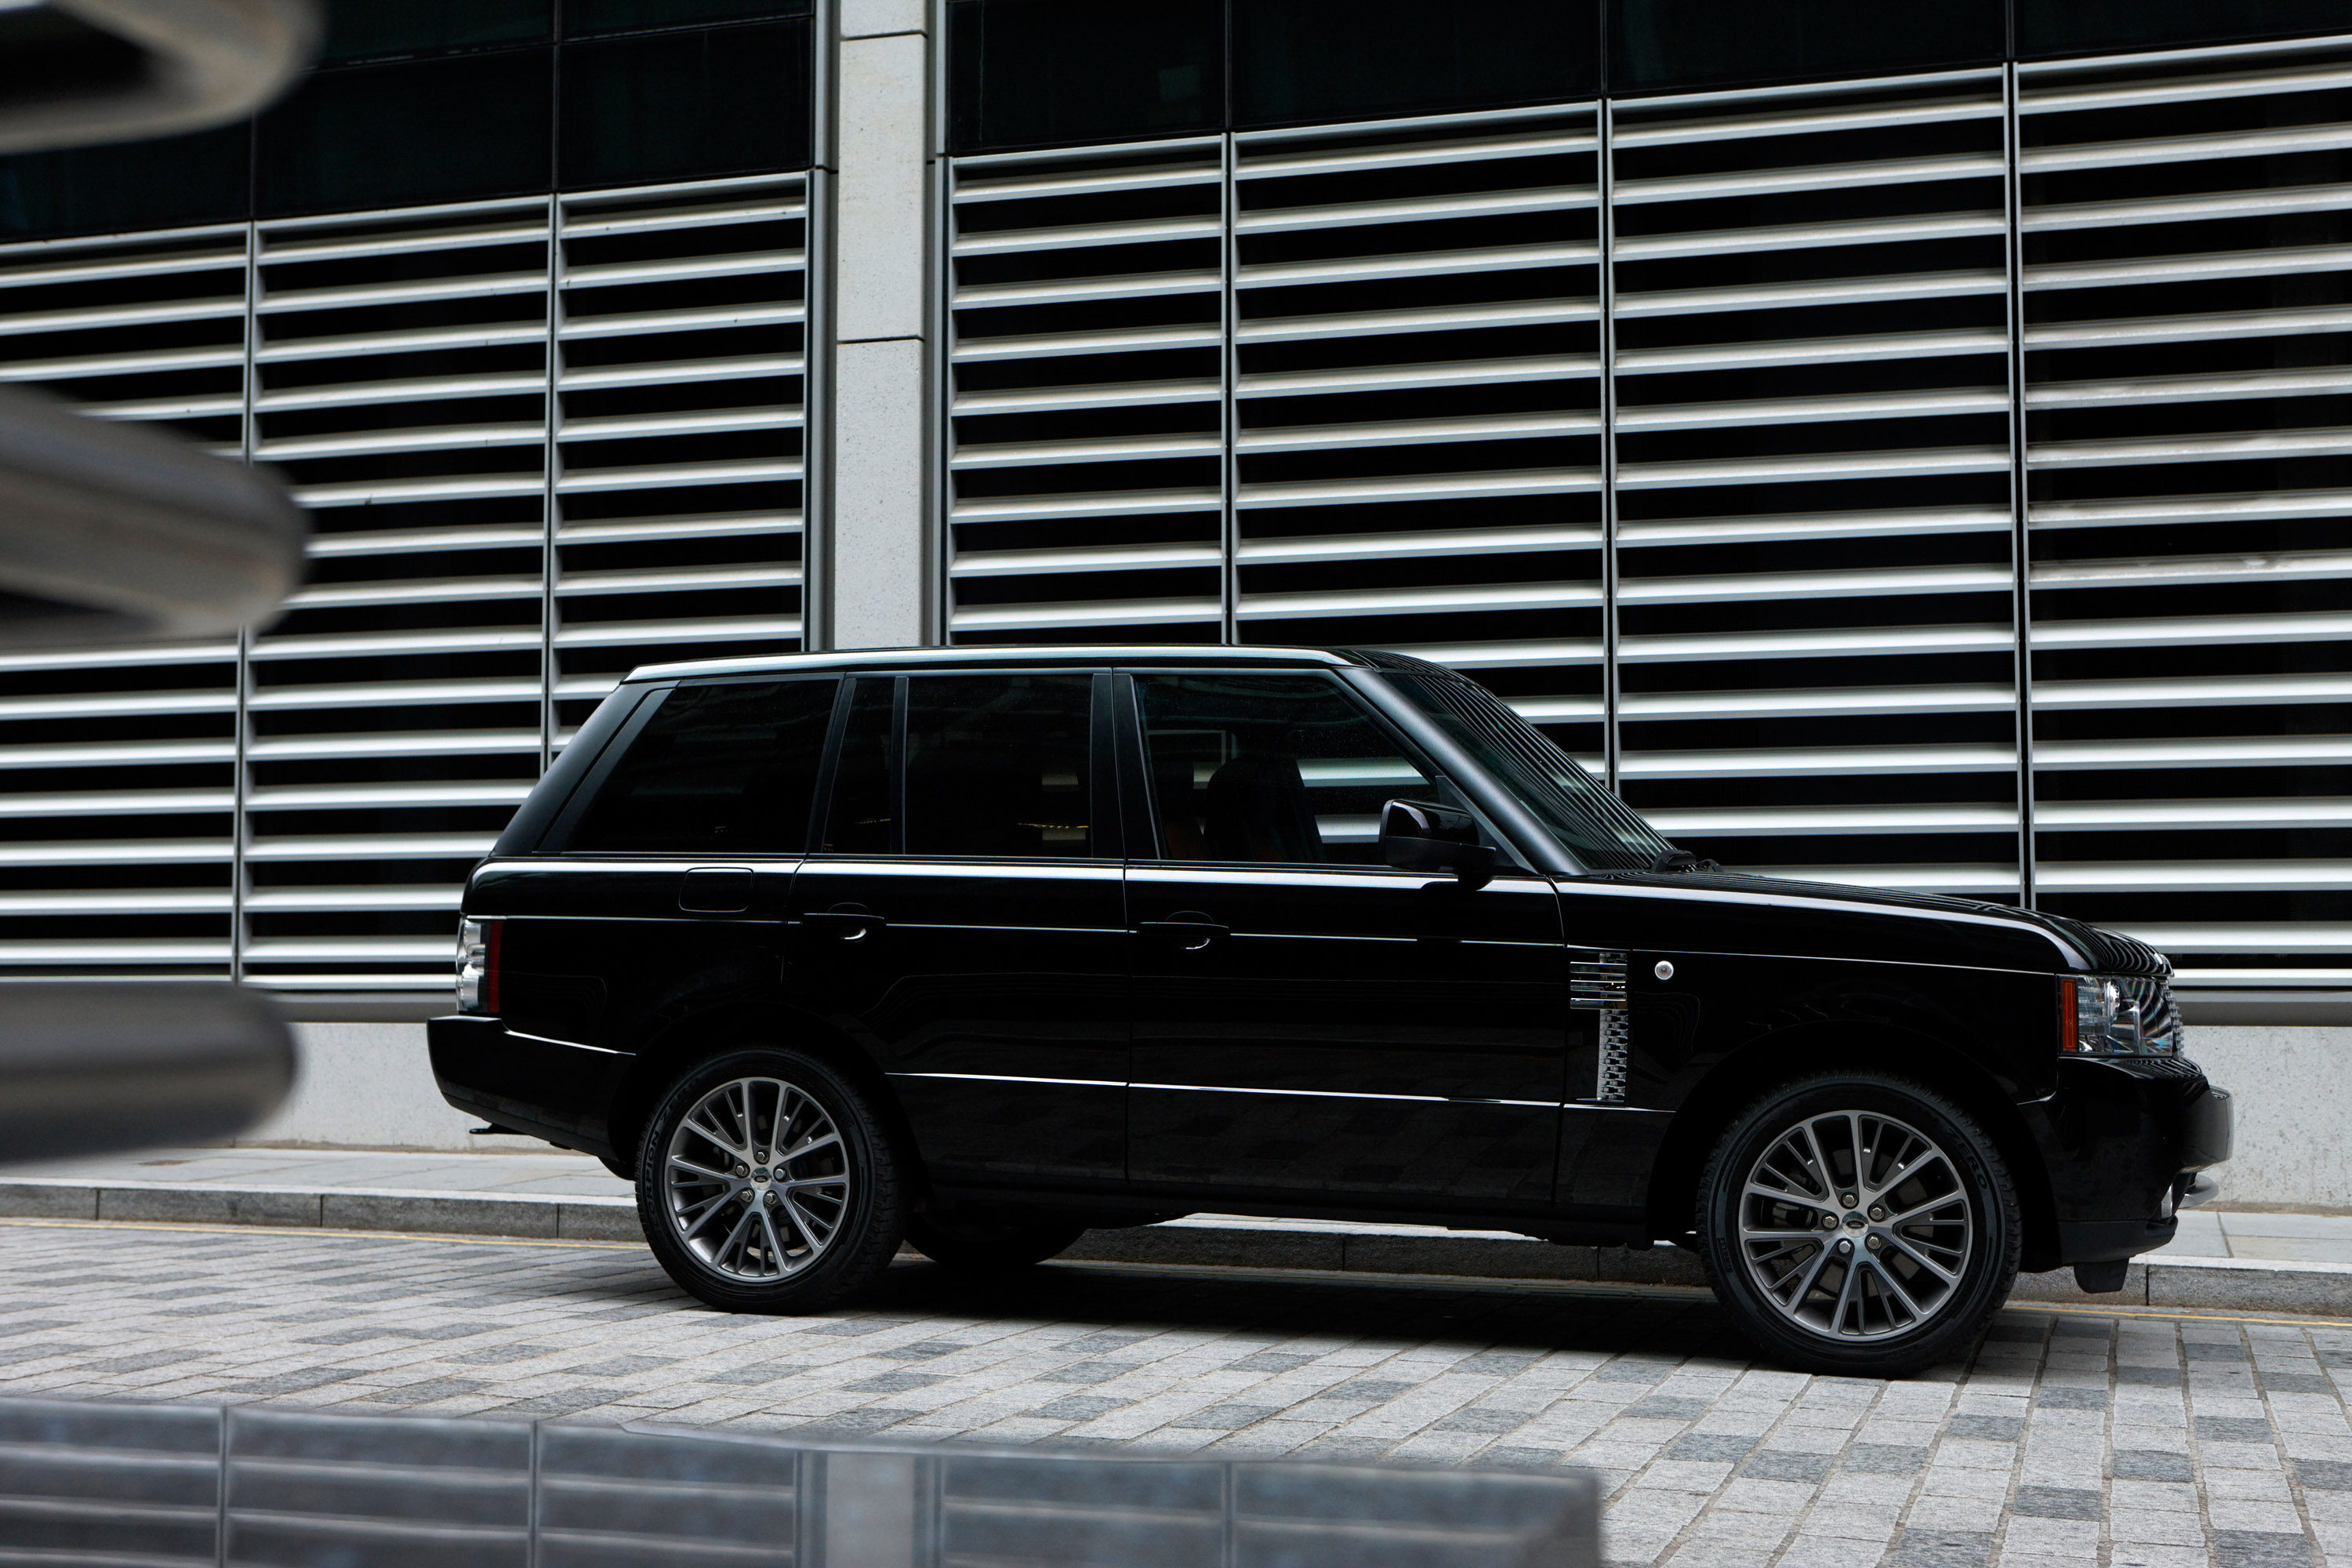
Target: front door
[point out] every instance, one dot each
(1313, 1029)
(962, 920)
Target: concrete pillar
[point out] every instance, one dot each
(880, 557)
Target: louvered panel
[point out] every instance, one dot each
(1088, 473)
(678, 490)
(118, 773)
(423, 462)
(1814, 592)
(2185, 258)
(1418, 434)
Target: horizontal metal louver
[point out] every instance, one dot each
(2186, 248)
(1815, 663)
(1887, 362)
(542, 441)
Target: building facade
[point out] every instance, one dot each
(1904, 445)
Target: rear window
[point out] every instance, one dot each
(717, 769)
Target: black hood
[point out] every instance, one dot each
(2100, 952)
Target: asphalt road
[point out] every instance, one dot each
(2075, 1438)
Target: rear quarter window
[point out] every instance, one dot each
(727, 768)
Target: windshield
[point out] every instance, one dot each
(1590, 823)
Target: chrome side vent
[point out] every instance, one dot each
(1596, 985)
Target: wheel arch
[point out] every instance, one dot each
(1767, 1062)
(687, 1042)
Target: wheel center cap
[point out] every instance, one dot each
(1853, 1222)
(760, 1173)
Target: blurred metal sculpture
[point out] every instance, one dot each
(74, 72)
(116, 532)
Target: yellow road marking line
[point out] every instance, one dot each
(317, 1231)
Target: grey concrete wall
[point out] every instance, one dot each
(2293, 1092)
(370, 1086)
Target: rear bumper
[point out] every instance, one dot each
(549, 1089)
(2121, 1139)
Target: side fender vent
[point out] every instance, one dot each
(1596, 985)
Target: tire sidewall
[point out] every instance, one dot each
(870, 1230)
(1991, 1268)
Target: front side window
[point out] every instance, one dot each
(1269, 770)
(1591, 824)
(717, 769)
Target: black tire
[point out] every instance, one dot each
(763, 1274)
(1925, 1292)
(983, 1243)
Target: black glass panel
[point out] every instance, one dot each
(1692, 43)
(588, 18)
(2080, 26)
(439, 131)
(864, 817)
(1031, 71)
(719, 769)
(730, 101)
(997, 766)
(1269, 770)
(1337, 60)
(138, 184)
(385, 29)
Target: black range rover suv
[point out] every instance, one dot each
(979, 948)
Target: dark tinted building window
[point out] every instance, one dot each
(719, 769)
(587, 19)
(385, 29)
(1269, 770)
(864, 818)
(449, 130)
(2085, 27)
(1338, 59)
(682, 105)
(143, 184)
(1657, 43)
(1029, 71)
(999, 765)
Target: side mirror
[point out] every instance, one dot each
(1418, 837)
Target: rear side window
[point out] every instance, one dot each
(717, 769)
(998, 765)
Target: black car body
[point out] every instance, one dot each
(1110, 935)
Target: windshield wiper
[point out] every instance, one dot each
(1683, 860)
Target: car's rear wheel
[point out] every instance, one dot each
(1859, 1223)
(987, 1243)
(767, 1182)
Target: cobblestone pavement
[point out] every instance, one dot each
(2124, 1440)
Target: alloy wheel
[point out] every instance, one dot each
(756, 1179)
(1855, 1227)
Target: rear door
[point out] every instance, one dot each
(961, 918)
(1310, 1025)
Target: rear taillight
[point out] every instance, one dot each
(477, 966)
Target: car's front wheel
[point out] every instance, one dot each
(767, 1182)
(1859, 1223)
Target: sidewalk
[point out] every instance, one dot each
(2220, 1260)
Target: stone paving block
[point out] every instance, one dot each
(1942, 1549)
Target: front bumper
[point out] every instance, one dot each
(2120, 1140)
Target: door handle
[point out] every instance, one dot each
(1187, 931)
(844, 923)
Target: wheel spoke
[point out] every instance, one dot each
(1844, 1295)
(809, 1145)
(1911, 1250)
(1886, 1278)
(702, 1217)
(680, 1162)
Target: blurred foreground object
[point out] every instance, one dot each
(101, 1066)
(74, 72)
(114, 532)
(199, 1484)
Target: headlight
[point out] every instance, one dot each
(2117, 1016)
(478, 966)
